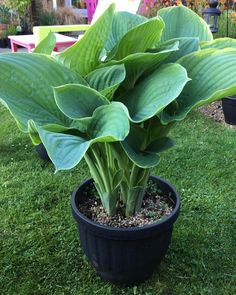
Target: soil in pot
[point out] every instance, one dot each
(126, 254)
(156, 206)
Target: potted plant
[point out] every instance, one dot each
(4, 23)
(229, 109)
(112, 99)
(22, 9)
(228, 102)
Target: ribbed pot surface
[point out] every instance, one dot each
(125, 256)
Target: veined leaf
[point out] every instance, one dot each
(155, 92)
(106, 80)
(65, 150)
(27, 91)
(47, 45)
(136, 64)
(122, 23)
(84, 56)
(149, 32)
(211, 73)
(186, 45)
(109, 123)
(132, 146)
(220, 43)
(160, 145)
(78, 101)
(140, 152)
(183, 22)
(156, 129)
(34, 135)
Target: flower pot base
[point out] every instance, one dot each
(125, 256)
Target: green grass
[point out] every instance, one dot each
(39, 249)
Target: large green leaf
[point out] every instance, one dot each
(34, 135)
(155, 92)
(139, 39)
(84, 56)
(160, 145)
(133, 147)
(122, 22)
(156, 129)
(136, 64)
(47, 45)
(65, 150)
(212, 79)
(186, 45)
(220, 43)
(181, 21)
(140, 151)
(106, 80)
(26, 87)
(78, 101)
(109, 123)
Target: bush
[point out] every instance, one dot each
(4, 14)
(68, 16)
(47, 18)
(62, 16)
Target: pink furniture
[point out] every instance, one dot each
(91, 7)
(28, 41)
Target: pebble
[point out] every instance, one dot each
(155, 207)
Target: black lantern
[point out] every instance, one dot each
(211, 15)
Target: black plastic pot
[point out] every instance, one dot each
(229, 109)
(42, 152)
(125, 256)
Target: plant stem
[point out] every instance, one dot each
(103, 171)
(94, 173)
(138, 183)
(100, 167)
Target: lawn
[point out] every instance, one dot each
(39, 250)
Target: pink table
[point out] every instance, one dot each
(28, 41)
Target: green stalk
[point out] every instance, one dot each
(109, 196)
(109, 162)
(102, 170)
(138, 184)
(134, 174)
(124, 161)
(95, 174)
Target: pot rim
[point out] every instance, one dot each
(232, 97)
(170, 219)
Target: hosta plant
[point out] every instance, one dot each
(113, 97)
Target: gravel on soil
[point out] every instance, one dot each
(155, 207)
